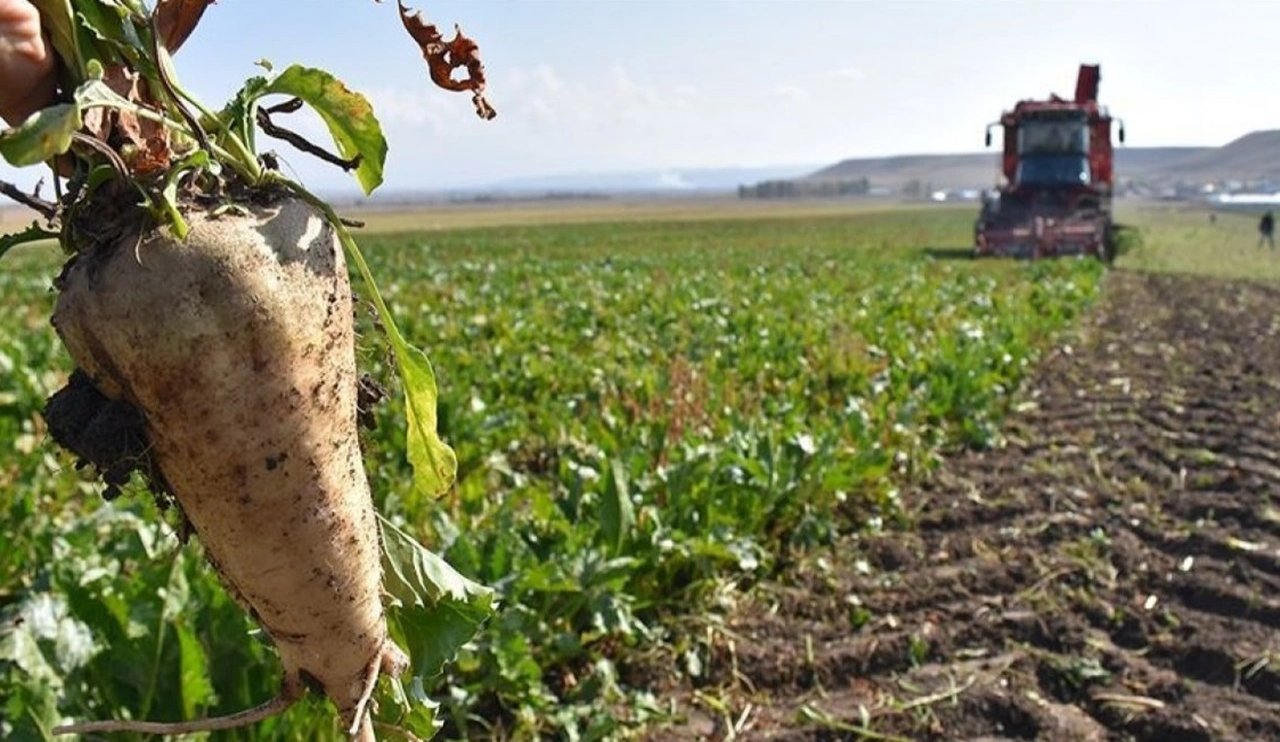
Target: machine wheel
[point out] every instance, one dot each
(1108, 254)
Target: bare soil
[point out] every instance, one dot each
(1112, 573)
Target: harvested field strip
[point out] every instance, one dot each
(1111, 573)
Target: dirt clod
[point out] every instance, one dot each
(111, 436)
(108, 434)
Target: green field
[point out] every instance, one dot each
(650, 416)
(1184, 239)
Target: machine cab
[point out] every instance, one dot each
(1053, 149)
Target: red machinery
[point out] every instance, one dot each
(1055, 198)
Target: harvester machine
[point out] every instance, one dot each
(1057, 174)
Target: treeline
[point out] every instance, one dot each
(805, 188)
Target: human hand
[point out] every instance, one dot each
(27, 75)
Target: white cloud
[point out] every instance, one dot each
(789, 90)
(630, 92)
(849, 73)
(546, 76)
(557, 119)
(416, 108)
(540, 110)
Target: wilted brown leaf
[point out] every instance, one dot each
(443, 57)
(144, 143)
(176, 19)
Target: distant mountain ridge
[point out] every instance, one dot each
(1252, 157)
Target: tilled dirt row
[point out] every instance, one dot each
(1113, 572)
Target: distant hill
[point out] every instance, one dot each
(943, 171)
(1253, 157)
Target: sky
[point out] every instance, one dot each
(598, 86)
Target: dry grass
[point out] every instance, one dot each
(1177, 238)
(437, 217)
(434, 217)
(1181, 238)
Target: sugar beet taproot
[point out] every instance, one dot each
(236, 345)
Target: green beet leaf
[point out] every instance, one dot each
(435, 465)
(237, 116)
(348, 115)
(106, 33)
(33, 233)
(617, 513)
(408, 713)
(197, 688)
(42, 137)
(59, 24)
(436, 610)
